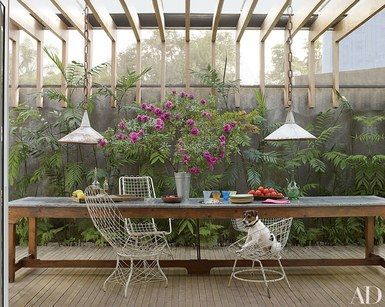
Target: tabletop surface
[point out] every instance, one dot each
(319, 201)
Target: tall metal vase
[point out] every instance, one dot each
(183, 181)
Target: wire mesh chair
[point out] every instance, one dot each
(142, 186)
(257, 251)
(137, 253)
(238, 224)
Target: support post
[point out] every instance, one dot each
(163, 72)
(113, 73)
(15, 70)
(336, 70)
(39, 74)
(11, 251)
(32, 237)
(262, 67)
(213, 61)
(311, 73)
(187, 74)
(138, 96)
(369, 236)
(238, 73)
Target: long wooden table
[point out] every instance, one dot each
(307, 207)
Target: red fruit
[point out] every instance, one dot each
(251, 192)
(279, 195)
(271, 190)
(258, 193)
(274, 194)
(265, 191)
(268, 195)
(261, 188)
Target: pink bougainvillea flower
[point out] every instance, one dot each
(102, 143)
(173, 92)
(159, 124)
(144, 106)
(227, 128)
(186, 159)
(182, 94)
(190, 122)
(165, 116)
(222, 140)
(158, 112)
(134, 137)
(122, 125)
(177, 117)
(206, 114)
(168, 104)
(232, 124)
(206, 154)
(141, 132)
(195, 131)
(191, 96)
(121, 136)
(194, 170)
(222, 154)
(203, 101)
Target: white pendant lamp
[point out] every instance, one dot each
(290, 130)
(85, 134)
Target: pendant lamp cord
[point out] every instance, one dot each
(86, 81)
(289, 42)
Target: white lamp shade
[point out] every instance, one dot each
(290, 131)
(84, 134)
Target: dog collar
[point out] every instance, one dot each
(251, 225)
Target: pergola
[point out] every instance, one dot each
(340, 16)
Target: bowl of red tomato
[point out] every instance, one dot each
(262, 193)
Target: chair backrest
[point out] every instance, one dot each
(106, 216)
(239, 226)
(139, 186)
(281, 229)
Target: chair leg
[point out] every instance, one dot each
(264, 278)
(161, 271)
(113, 273)
(129, 276)
(283, 272)
(169, 251)
(231, 275)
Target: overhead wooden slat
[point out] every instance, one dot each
(357, 16)
(272, 18)
(244, 18)
(27, 24)
(50, 21)
(262, 68)
(328, 16)
(306, 11)
(187, 20)
(104, 18)
(159, 14)
(311, 73)
(133, 18)
(187, 75)
(216, 18)
(75, 17)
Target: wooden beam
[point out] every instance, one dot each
(308, 8)
(133, 18)
(138, 96)
(187, 75)
(15, 38)
(357, 16)
(262, 67)
(113, 72)
(238, 73)
(159, 14)
(216, 18)
(104, 18)
(328, 16)
(50, 21)
(311, 73)
(75, 17)
(64, 59)
(163, 71)
(244, 18)
(187, 19)
(336, 69)
(39, 74)
(27, 23)
(272, 18)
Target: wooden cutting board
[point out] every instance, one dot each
(115, 198)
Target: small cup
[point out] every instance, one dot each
(206, 196)
(226, 195)
(216, 196)
(232, 193)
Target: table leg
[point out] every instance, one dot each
(11, 251)
(369, 236)
(32, 237)
(198, 241)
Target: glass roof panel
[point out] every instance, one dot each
(112, 6)
(232, 7)
(174, 6)
(203, 6)
(263, 6)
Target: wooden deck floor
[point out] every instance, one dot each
(326, 286)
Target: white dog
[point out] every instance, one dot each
(258, 233)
